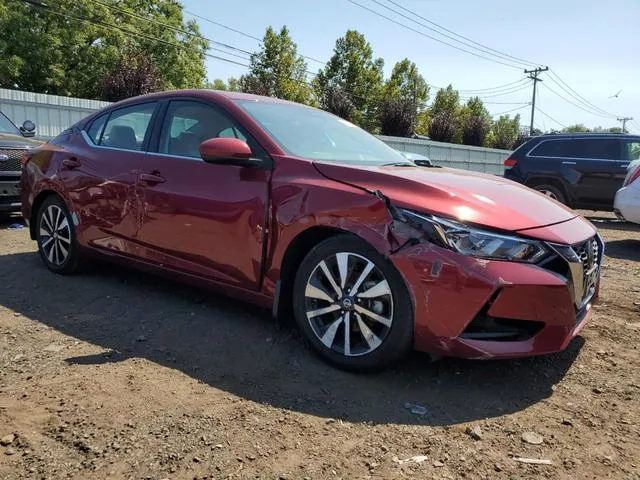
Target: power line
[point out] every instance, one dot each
(259, 40)
(432, 37)
(562, 84)
(480, 45)
(48, 9)
(551, 118)
(509, 111)
(496, 88)
(473, 45)
(516, 89)
(581, 107)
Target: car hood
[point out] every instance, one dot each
(467, 196)
(8, 140)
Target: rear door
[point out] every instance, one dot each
(601, 168)
(100, 171)
(588, 166)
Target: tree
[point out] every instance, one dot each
(577, 128)
(337, 101)
(133, 74)
(277, 70)
(405, 94)
(217, 84)
(397, 117)
(475, 130)
(443, 127)
(64, 48)
(353, 70)
(505, 132)
(447, 101)
(475, 122)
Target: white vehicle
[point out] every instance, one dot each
(627, 202)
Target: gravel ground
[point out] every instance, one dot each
(118, 374)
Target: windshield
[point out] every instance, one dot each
(317, 135)
(6, 126)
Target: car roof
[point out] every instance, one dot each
(547, 136)
(203, 93)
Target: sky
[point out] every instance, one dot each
(590, 46)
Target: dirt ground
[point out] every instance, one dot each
(117, 374)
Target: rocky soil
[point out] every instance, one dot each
(117, 374)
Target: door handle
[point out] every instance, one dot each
(71, 163)
(568, 163)
(151, 178)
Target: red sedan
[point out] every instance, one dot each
(297, 210)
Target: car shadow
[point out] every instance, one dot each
(628, 249)
(610, 223)
(11, 221)
(237, 348)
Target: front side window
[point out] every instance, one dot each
(127, 127)
(189, 123)
(317, 135)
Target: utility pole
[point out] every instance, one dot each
(624, 121)
(533, 75)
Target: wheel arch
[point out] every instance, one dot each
(295, 252)
(559, 184)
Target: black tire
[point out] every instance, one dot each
(392, 342)
(54, 212)
(551, 192)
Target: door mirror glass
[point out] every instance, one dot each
(225, 150)
(28, 128)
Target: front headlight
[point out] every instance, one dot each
(475, 242)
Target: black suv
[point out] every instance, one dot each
(581, 170)
(12, 145)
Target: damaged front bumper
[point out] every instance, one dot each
(475, 308)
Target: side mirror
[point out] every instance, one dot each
(28, 128)
(228, 151)
(423, 163)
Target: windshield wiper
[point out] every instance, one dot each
(399, 164)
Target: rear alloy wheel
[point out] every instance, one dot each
(551, 192)
(352, 305)
(56, 237)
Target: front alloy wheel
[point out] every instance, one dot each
(352, 305)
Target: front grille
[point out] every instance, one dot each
(583, 260)
(12, 161)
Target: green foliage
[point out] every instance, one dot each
(217, 84)
(577, 128)
(353, 70)
(404, 97)
(474, 122)
(277, 70)
(69, 46)
(447, 101)
(505, 132)
(475, 129)
(443, 127)
(133, 74)
(397, 117)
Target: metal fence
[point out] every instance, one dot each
(52, 114)
(479, 159)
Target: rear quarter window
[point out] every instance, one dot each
(96, 128)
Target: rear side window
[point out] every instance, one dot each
(127, 127)
(631, 150)
(95, 130)
(586, 148)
